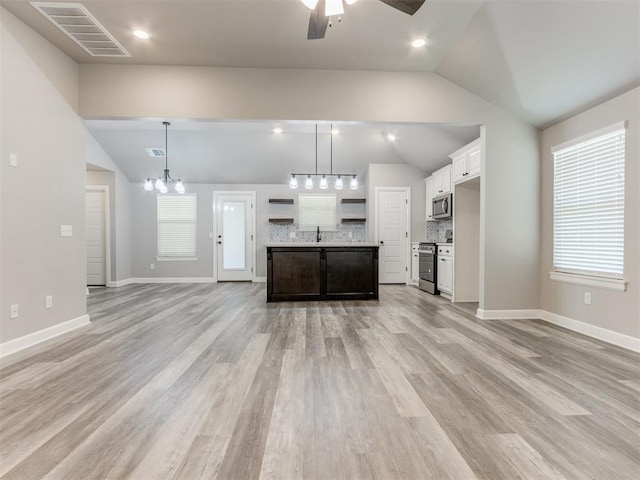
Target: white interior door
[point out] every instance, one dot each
(95, 221)
(393, 235)
(234, 237)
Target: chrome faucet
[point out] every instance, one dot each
(318, 235)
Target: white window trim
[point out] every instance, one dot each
(177, 259)
(615, 284)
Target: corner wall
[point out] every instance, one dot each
(616, 311)
(39, 99)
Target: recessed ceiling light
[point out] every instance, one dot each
(391, 137)
(418, 43)
(141, 34)
(277, 130)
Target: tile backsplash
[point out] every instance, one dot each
(282, 233)
(437, 231)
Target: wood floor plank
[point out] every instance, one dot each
(208, 381)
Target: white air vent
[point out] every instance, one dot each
(79, 25)
(156, 152)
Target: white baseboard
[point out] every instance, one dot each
(604, 334)
(506, 314)
(173, 280)
(260, 280)
(121, 283)
(17, 344)
(609, 336)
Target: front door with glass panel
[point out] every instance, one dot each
(234, 236)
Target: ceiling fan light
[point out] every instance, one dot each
(148, 185)
(350, 2)
(308, 183)
(333, 7)
(179, 187)
(339, 183)
(353, 185)
(310, 4)
(293, 182)
(324, 184)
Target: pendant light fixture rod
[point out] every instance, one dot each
(316, 148)
(331, 155)
(166, 145)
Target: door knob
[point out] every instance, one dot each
(219, 243)
(381, 242)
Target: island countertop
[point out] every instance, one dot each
(322, 244)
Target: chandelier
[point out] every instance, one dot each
(324, 180)
(162, 182)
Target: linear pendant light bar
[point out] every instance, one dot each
(324, 182)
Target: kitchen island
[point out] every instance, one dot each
(322, 271)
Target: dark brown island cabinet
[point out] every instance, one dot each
(322, 272)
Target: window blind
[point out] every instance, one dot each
(588, 209)
(317, 210)
(176, 226)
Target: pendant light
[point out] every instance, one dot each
(162, 182)
(324, 177)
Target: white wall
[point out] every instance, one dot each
(615, 311)
(510, 182)
(121, 209)
(387, 175)
(39, 123)
(144, 237)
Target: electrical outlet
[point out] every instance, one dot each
(152, 266)
(48, 301)
(66, 231)
(292, 234)
(13, 160)
(350, 234)
(587, 298)
(14, 311)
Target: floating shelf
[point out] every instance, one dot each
(281, 220)
(353, 220)
(353, 200)
(288, 201)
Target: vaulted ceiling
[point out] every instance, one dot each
(542, 60)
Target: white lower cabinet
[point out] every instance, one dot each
(415, 264)
(445, 269)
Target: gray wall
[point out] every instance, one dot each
(615, 311)
(38, 105)
(144, 236)
(381, 175)
(510, 202)
(121, 209)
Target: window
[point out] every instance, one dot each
(317, 210)
(588, 208)
(176, 227)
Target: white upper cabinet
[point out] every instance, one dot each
(467, 162)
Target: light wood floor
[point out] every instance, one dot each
(209, 381)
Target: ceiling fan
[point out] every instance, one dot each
(323, 10)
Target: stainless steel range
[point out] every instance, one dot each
(427, 256)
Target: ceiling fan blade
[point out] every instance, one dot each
(407, 6)
(318, 22)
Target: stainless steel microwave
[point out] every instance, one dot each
(442, 207)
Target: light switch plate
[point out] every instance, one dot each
(587, 298)
(152, 266)
(48, 300)
(13, 160)
(66, 231)
(14, 311)
(292, 234)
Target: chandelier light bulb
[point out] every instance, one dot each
(293, 182)
(308, 183)
(339, 183)
(324, 184)
(148, 185)
(164, 188)
(353, 185)
(179, 187)
(159, 183)
(333, 7)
